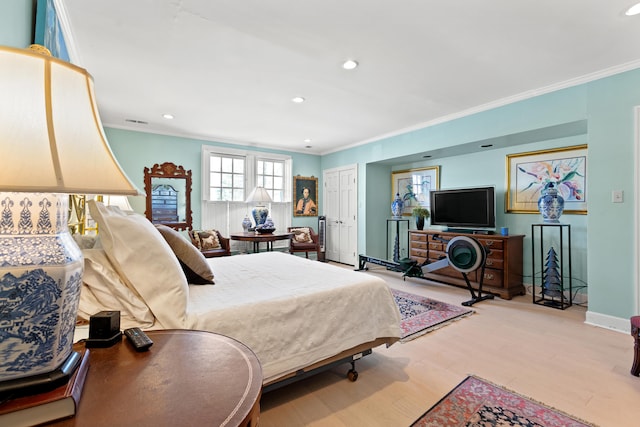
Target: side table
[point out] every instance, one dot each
(551, 256)
(185, 378)
(257, 238)
(396, 239)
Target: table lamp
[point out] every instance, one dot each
(51, 144)
(259, 196)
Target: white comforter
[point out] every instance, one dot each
(292, 312)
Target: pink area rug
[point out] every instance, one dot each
(477, 403)
(421, 314)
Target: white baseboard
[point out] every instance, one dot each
(608, 322)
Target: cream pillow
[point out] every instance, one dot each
(302, 235)
(144, 261)
(193, 263)
(102, 289)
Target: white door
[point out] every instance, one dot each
(348, 210)
(340, 204)
(331, 208)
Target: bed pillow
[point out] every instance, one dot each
(302, 235)
(193, 263)
(103, 290)
(144, 261)
(205, 239)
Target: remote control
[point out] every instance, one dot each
(138, 339)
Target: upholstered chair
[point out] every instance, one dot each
(304, 239)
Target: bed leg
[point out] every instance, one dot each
(352, 374)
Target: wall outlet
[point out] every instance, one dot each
(617, 196)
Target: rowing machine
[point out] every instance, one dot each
(463, 253)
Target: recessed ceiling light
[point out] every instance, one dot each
(168, 116)
(307, 140)
(349, 64)
(298, 99)
(633, 10)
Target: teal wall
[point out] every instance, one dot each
(137, 150)
(604, 253)
(16, 23)
(603, 250)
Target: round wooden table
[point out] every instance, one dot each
(186, 378)
(258, 238)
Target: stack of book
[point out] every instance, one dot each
(61, 402)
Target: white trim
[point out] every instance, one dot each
(69, 38)
(607, 72)
(616, 324)
(636, 214)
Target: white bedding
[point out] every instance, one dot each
(292, 312)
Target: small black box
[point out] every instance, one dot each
(104, 324)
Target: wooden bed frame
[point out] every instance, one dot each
(348, 356)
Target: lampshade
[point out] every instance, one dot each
(51, 136)
(121, 202)
(259, 195)
(51, 142)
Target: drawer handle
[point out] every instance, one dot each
(489, 262)
(488, 276)
(489, 242)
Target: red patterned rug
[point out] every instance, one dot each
(421, 314)
(477, 403)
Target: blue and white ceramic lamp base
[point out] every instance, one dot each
(41, 270)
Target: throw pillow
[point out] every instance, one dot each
(302, 235)
(145, 263)
(193, 263)
(206, 239)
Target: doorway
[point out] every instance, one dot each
(340, 205)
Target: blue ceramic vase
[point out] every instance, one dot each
(551, 204)
(397, 206)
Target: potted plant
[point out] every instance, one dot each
(420, 214)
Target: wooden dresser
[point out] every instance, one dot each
(503, 272)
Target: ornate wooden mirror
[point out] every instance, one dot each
(168, 189)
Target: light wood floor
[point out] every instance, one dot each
(546, 354)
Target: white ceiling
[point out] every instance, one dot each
(228, 69)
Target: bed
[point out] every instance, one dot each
(297, 315)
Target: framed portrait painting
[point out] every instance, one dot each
(414, 186)
(305, 196)
(529, 173)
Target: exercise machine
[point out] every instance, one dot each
(464, 254)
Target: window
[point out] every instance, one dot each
(230, 175)
(226, 178)
(270, 175)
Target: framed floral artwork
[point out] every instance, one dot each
(414, 186)
(529, 173)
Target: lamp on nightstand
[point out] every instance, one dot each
(51, 142)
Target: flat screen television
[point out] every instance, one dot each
(464, 208)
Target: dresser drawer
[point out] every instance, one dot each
(496, 263)
(491, 243)
(418, 237)
(492, 277)
(418, 252)
(419, 244)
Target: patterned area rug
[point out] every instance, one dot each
(477, 403)
(421, 314)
